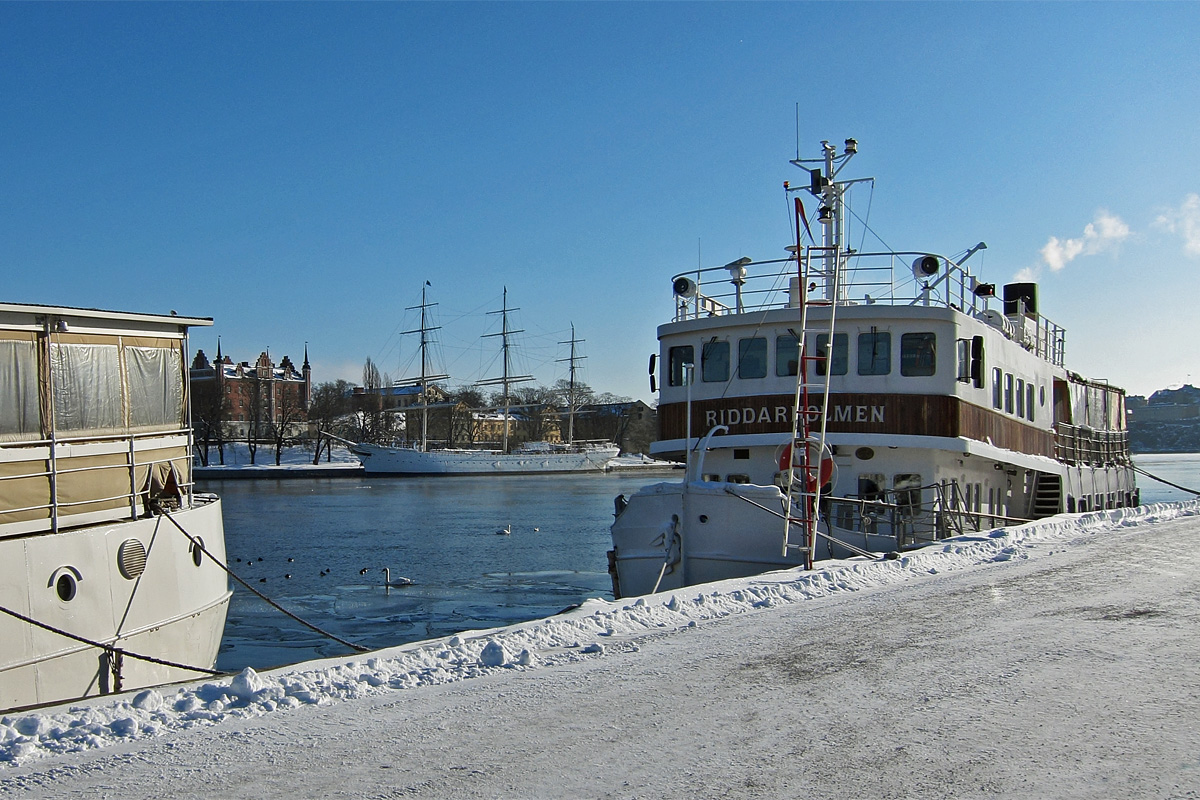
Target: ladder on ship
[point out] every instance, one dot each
(1047, 495)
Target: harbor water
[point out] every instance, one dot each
(442, 534)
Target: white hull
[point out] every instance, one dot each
(175, 610)
(732, 538)
(377, 459)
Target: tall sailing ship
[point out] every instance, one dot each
(107, 571)
(835, 402)
(529, 457)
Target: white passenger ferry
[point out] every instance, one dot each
(104, 581)
(921, 405)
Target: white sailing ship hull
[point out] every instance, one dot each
(377, 459)
(174, 610)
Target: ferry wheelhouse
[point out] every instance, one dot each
(107, 572)
(833, 402)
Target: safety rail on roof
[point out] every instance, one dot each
(886, 278)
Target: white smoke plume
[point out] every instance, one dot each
(1103, 233)
(1184, 221)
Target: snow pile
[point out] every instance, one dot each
(594, 630)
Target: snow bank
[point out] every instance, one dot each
(593, 630)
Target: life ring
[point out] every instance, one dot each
(824, 471)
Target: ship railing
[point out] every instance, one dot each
(894, 515)
(865, 279)
(75, 476)
(1083, 445)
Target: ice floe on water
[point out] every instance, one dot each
(594, 630)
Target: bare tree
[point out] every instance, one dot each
(329, 407)
(211, 411)
(256, 410)
(289, 412)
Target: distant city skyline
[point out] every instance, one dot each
(298, 171)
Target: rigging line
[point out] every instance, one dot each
(107, 647)
(1141, 471)
(200, 546)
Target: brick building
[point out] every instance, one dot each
(258, 397)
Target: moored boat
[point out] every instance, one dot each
(836, 402)
(107, 572)
(530, 457)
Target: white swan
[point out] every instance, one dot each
(400, 581)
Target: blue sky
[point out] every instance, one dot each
(298, 171)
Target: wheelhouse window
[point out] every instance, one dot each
(837, 359)
(1020, 398)
(1008, 393)
(874, 353)
(20, 417)
(918, 354)
(787, 356)
(714, 362)
(676, 358)
(997, 396)
(752, 358)
(962, 348)
(1029, 401)
(87, 387)
(155, 377)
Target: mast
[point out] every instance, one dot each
(426, 377)
(506, 378)
(571, 384)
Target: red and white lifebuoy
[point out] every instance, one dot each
(824, 471)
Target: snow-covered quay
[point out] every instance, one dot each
(1057, 659)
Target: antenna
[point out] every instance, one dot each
(797, 131)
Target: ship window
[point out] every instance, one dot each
(874, 353)
(714, 362)
(837, 359)
(19, 415)
(677, 357)
(907, 488)
(996, 399)
(787, 355)
(1020, 398)
(87, 387)
(918, 354)
(738, 479)
(1008, 393)
(962, 349)
(1029, 401)
(741, 453)
(752, 358)
(870, 486)
(155, 377)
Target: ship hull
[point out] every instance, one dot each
(174, 610)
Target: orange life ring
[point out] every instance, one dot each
(824, 471)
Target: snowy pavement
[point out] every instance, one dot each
(1059, 659)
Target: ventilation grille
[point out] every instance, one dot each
(131, 559)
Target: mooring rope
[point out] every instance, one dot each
(108, 648)
(1141, 471)
(200, 546)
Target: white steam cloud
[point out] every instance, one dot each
(1103, 233)
(1184, 221)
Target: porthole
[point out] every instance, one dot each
(131, 559)
(197, 548)
(66, 586)
(864, 454)
(704, 517)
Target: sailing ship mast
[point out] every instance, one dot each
(571, 384)
(426, 377)
(506, 378)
